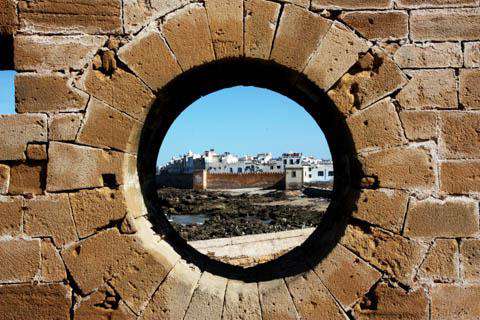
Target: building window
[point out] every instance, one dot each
(298, 161)
(271, 167)
(309, 175)
(231, 170)
(321, 173)
(291, 161)
(330, 173)
(285, 161)
(278, 167)
(239, 170)
(294, 174)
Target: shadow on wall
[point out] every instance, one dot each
(190, 86)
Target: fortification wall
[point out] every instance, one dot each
(245, 180)
(393, 83)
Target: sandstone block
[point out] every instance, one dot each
(472, 54)
(378, 25)
(241, 301)
(70, 16)
(455, 302)
(10, 216)
(298, 34)
(470, 88)
(419, 125)
(343, 48)
(50, 216)
(64, 126)
(276, 301)
(440, 264)
(45, 302)
(402, 168)
(17, 130)
(33, 93)
(346, 276)
(226, 26)
(376, 126)
(4, 178)
(435, 218)
(55, 52)
(27, 178)
(207, 299)
(382, 207)
(470, 257)
(396, 303)
(445, 25)
(171, 299)
(106, 127)
(312, 299)
(260, 24)
(51, 265)
(351, 4)
(96, 209)
(415, 4)
(391, 253)
(20, 261)
(430, 89)
(37, 152)
(150, 58)
(191, 48)
(373, 77)
(8, 17)
(459, 135)
(429, 55)
(460, 177)
(121, 90)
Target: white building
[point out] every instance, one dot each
(315, 170)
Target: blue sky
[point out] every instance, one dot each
(241, 120)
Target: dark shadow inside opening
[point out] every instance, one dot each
(191, 85)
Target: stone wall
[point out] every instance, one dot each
(403, 76)
(245, 180)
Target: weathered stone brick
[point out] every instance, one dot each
(188, 34)
(96, 209)
(150, 58)
(470, 88)
(11, 216)
(226, 26)
(52, 267)
(298, 34)
(414, 4)
(55, 52)
(70, 16)
(382, 207)
(396, 303)
(106, 127)
(171, 300)
(20, 261)
(311, 298)
(276, 301)
(44, 302)
(27, 178)
(472, 54)
(377, 126)
(429, 55)
(17, 130)
(445, 25)
(241, 300)
(403, 168)
(37, 152)
(378, 25)
(33, 93)
(50, 216)
(460, 177)
(260, 24)
(450, 301)
(64, 126)
(351, 4)
(4, 178)
(470, 258)
(440, 264)
(8, 17)
(460, 135)
(343, 48)
(391, 253)
(121, 90)
(419, 125)
(435, 218)
(430, 89)
(346, 276)
(207, 299)
(372, 78)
